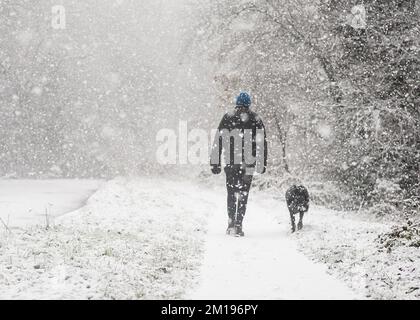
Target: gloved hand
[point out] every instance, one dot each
(303, 208)
(260, 170)
(216, 169)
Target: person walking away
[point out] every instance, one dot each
(241, 138)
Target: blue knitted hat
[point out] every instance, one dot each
(243, 100)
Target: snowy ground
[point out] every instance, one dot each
(27, 202)
(352, 251)
(158, 238)
(347, 243)
(266, 264)
(138, 239)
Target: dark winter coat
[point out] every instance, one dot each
(237, 131)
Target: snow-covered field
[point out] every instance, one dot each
(29, 202)
(164, 238)
(136, 239)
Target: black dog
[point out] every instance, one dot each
(297, 198)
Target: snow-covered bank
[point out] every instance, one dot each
(135, 239)
(164, 238)
(349, 244)
(351, 248)
(30, 202)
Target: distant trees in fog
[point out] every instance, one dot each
(338, 83)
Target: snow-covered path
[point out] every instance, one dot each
(266, 264)
(143, 239)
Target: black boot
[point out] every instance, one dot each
(292, 218)
(231, 227)
(238, 231)
(300, 225)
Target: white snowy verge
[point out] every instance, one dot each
(351, 248)
(364, 251)
(135, 239)
(144, 238)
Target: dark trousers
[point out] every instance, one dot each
(238, 184)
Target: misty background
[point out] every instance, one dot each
(88, 100)
(336, 82)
